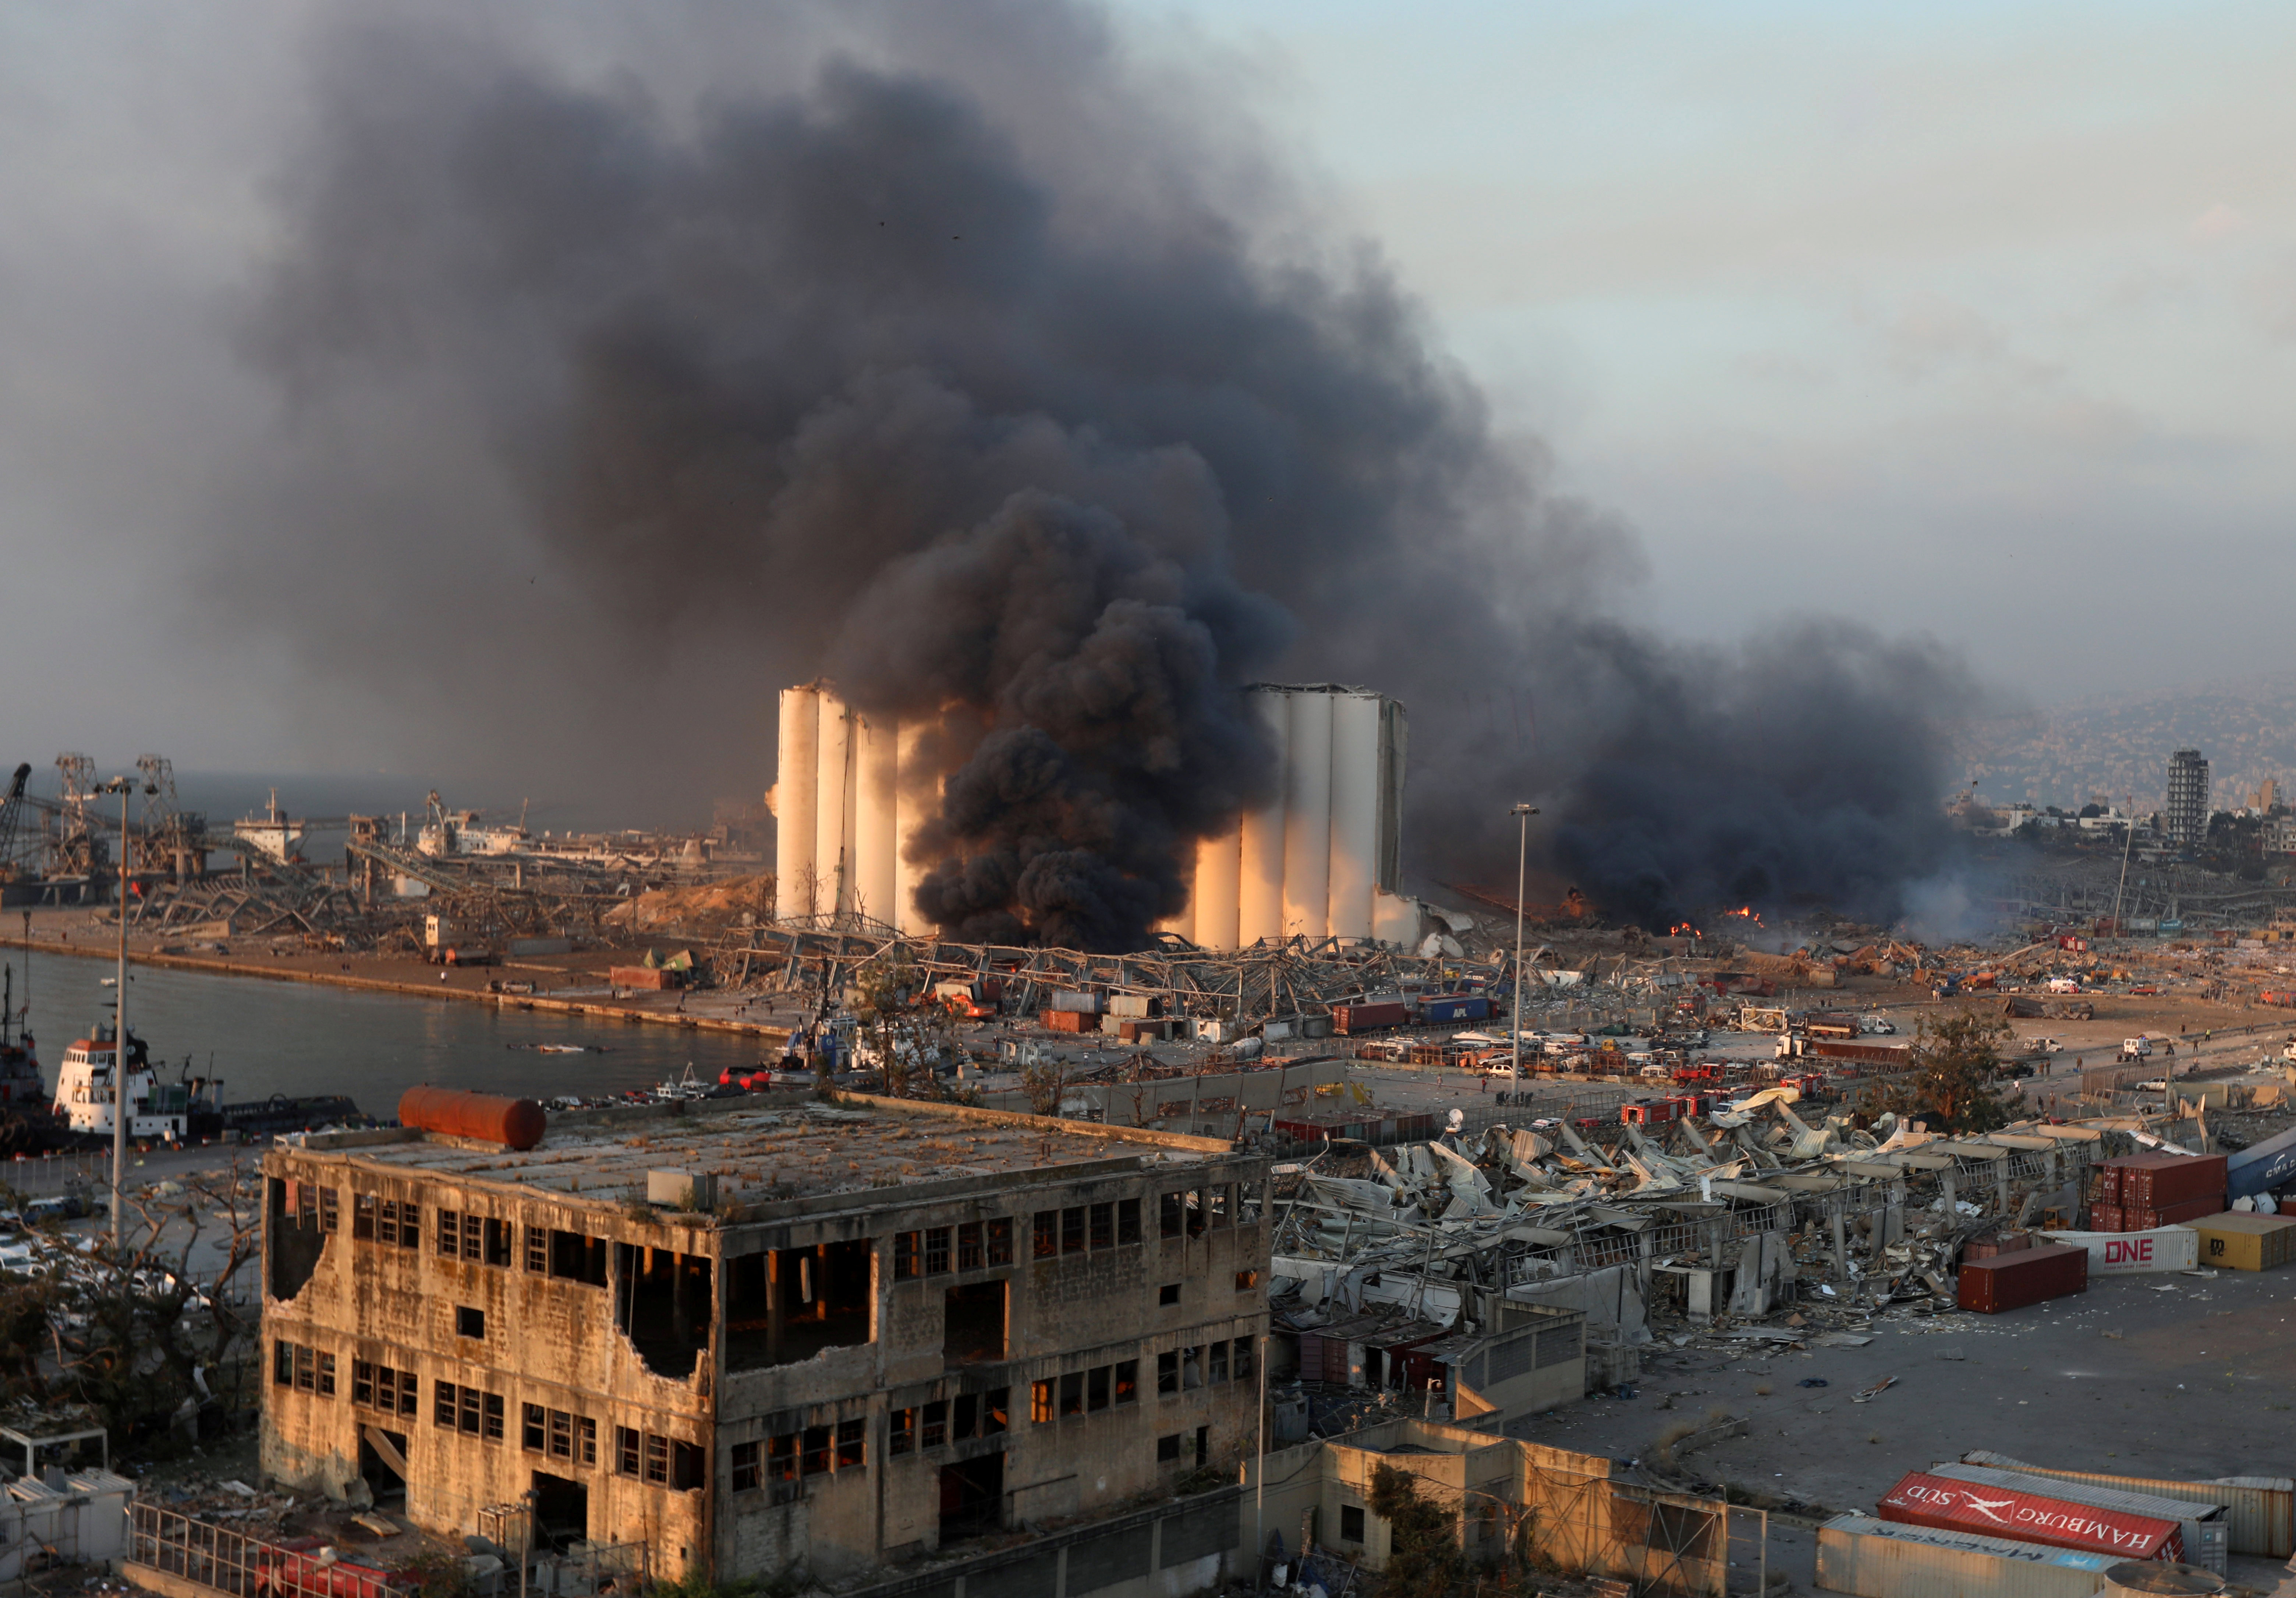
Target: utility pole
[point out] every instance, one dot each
(123, 787)
(2128, 841)
(1522, 813)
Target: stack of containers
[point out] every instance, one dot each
(2053, 1519)
(2161, 1189)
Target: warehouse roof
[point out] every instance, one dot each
(805, 1150)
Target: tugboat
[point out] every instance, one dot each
(187, 1108)
(86, 1092)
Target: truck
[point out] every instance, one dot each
(2139, 1047)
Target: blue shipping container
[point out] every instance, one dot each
(1456, 1007)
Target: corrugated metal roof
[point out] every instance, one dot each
(2259, 1509)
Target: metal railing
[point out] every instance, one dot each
(231, 1562)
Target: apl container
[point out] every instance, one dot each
(1921, 1499)
(2009, 1282)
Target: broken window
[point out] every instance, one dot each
(294, 1235)
(852, 1447)
(936, 1429)
(467, 1410)
(1168, 1448)
(1128, 1381)
(1040, 1402)
(1128, 1220)
(787, 1305)
(1171, 1210)
(1218, 1360)
(1243, 1359)
(995, 1410)
(972, 1321)
(902, 1434)
(970, 1254)
(574, 1258)
(749, 1474)
(781, 1470)
(964, 1417)
(1197, 1216)
(496, 1246)
(1072, 1230)
(908, 1256)
(1095, 1389)
(662, 1306)
(470, 1321)
(937, 1252)
(305, 1369)
(560, 1435)
(1247, 1204)
(1047, 1228)
(1167, 1371)
(1104, 1225)
(1168, 1295)
(1000, 1243)
(378, 1387)
(1351, 1523)
(1073, 1394)
(1216, 1202)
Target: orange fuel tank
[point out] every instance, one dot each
(489, 1117)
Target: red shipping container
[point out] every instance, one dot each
(2160, 1180)
(1998, 1244)
(2108, 1182)
(2137, 1217)
(2012, 1281)
(2106, 1217)
(1368, 1018)
(1921, 1499)
(1069, 1020)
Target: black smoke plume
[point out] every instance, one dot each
(975, 358)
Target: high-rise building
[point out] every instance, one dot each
(2187, 812)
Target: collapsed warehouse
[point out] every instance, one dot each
(1391, 1267)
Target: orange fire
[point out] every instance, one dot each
(1744, 914)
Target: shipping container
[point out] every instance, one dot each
(1069, 1020)
(1997, 1245)
(2012, 1281)
(1455, 1007)
(2106, 1217)
(2204, 1530)
(2262, 1510)
(1138, 1006)
(647, 977)
(1921, 1499)
(2138, 1217)
(2243, 1242)
(1080, 1002)
(2133, 1253)
(1887, 1558)
(1351, 1019)
(2160, 1180)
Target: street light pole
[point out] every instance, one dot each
(123, 786)
(1524, 813)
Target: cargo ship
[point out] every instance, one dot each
(186, 1110)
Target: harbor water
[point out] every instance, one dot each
(300, 1038)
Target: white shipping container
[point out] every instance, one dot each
(1138, 1006)
(1882, 1558)
(2135, 1253)
(1076, 1003)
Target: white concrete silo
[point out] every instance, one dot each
(1260, 887)
(1219, 871)
(833, 849)
(1307, 815)
(1356, 772)
(876, 820)
(794, 820)
(917, 795)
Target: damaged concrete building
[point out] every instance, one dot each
(831, 1336)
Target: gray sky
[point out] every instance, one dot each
(1970, 321)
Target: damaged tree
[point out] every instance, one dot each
(1959, 1063)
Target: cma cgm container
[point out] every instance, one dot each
(2012, 1281)
(1351, 1019)
(2158, 1181)
(1921, 1499)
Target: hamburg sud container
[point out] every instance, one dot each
(2203, 1529)
(2012, 1281)
(1921, 1499)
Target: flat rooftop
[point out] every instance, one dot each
(764, 1155)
